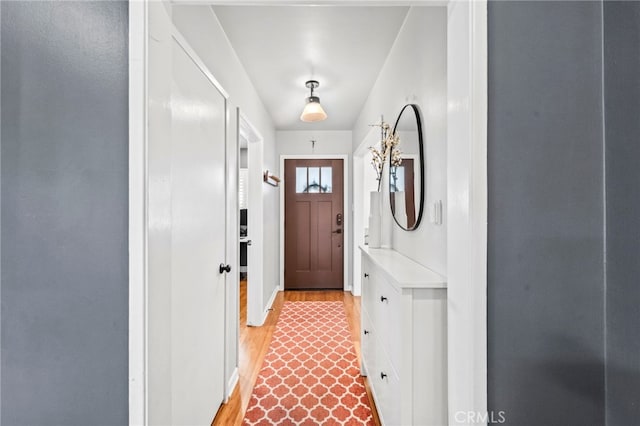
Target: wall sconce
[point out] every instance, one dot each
(313, 110)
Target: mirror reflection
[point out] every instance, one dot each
(406, 169)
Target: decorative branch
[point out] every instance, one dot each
(388, 143)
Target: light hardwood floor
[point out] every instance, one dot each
(254, 343)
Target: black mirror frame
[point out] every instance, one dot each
(416, 111)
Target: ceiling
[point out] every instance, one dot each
(281, 47)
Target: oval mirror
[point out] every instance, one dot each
(406, 169)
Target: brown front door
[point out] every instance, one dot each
(313, 224)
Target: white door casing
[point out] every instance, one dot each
(467, 208)
(468, 387)
(255, 253)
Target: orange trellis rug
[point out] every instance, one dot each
(310, 374)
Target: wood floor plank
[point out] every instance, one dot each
(254, 343)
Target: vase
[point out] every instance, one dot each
(375, 220)
(400, 213)
(386, 220)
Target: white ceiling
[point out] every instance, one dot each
(281, 47)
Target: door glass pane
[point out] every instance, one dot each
(325, 179)
(301, 179)
(314, 180)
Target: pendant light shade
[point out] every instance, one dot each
(313, 111)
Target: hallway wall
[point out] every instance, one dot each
(416, 72)
(64, 198)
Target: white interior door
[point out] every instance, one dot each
(198, 243)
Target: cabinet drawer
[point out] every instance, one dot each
(388, 321)
(368, 285)
(386, 384)
(367, 344)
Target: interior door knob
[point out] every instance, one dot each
(225, 268)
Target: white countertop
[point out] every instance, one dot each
(402, 271)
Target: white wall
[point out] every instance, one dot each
(201, 28)
(298, 142)
(328, 142)
(415, 72)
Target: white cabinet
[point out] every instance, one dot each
(404, 338)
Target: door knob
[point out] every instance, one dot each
(248, 243)
(337, 231)
(224, 268)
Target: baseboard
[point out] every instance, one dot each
(231, 385)
(363, 368)
(270, 304)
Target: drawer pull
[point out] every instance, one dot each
(366, 275)
(366, 331)
(383, 375)
(383, 299)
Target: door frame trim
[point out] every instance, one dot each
(471, 287)
(138, 212)
(467, 194)
(255, 313)
(347, 223)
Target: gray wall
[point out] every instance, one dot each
(622, 112)
(550, 298)
(64, 212)
(546, 243)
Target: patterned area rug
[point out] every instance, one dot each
(310, 374)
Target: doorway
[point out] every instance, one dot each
(251, 226)
(467, 218)
(314, 224)
(243, 204)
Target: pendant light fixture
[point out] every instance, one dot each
(313, 110)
